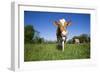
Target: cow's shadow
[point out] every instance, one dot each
(59, 47)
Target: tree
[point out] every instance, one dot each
(84, 38)
(70, 41)
(28, 33)
(41, 40)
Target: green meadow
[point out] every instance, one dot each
(43, 52)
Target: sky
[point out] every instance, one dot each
(43, 23)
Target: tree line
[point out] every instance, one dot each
(33, 36)
(83, 38)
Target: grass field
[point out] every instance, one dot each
(40, 52)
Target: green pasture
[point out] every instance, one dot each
(42, 52)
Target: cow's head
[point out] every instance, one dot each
(62, 24)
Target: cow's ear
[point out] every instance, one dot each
(67, 23)
(56, 23)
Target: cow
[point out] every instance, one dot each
(61, 31)
(77, 41)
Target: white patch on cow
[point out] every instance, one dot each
(62, 21)
(63, 46)
(64, 33)
(63, 38)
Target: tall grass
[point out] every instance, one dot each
(39, 52)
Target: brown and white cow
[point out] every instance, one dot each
(77, 41)
(62, 32)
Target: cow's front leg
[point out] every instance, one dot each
(63, 39)
(63, 46)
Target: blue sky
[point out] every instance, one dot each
(43, 22)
